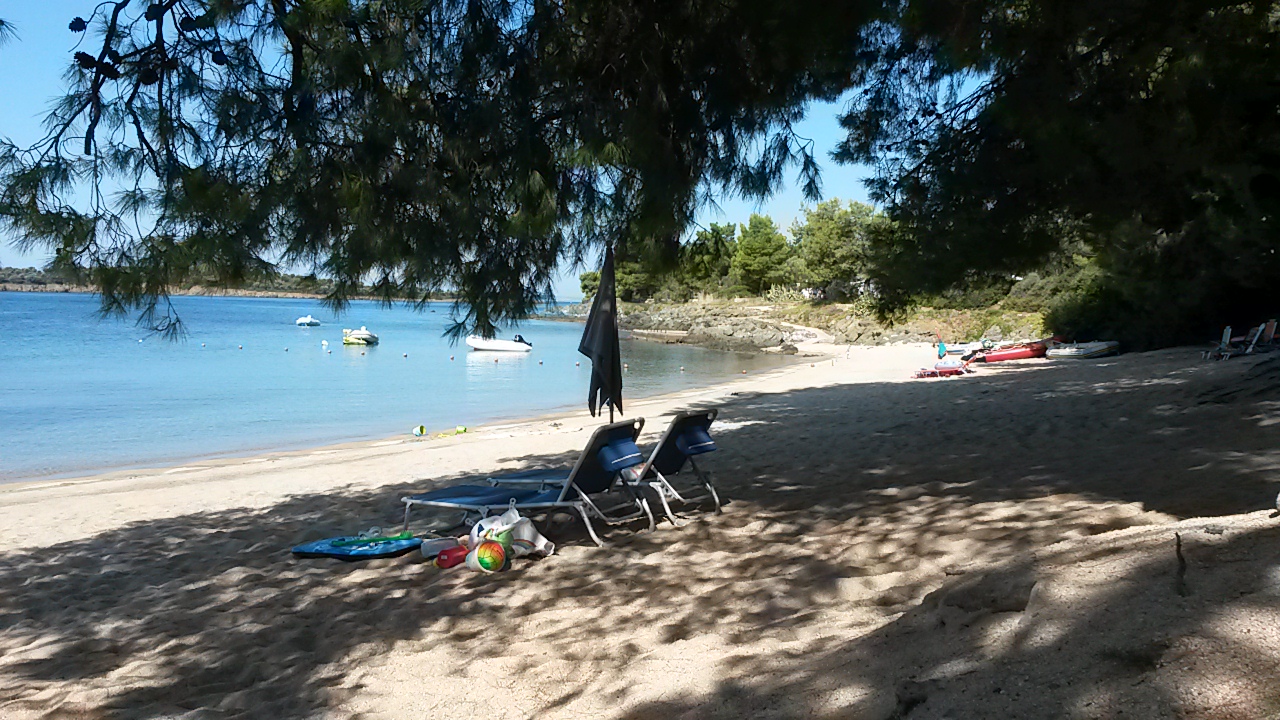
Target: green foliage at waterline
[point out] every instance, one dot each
(825, 254)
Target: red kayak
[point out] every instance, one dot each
(1014, 352)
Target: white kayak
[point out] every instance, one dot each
(518, 344)
(307, 321)
(359, 337)
(1085, 350)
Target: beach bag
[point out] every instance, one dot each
(515, 533)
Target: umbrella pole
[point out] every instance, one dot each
(611, 413)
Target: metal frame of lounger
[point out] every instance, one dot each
(661, 485)
(503, 492)
(1227, 348)
(1215, 353)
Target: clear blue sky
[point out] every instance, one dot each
(31, 71)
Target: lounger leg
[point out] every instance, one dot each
(639, 499)
(706, 480)
(587, 521)
(662, 495)
(648, 512)
(665, 490)
(668, 488)
(714, 495)
(406, 518)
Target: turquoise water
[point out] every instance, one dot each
(80, 395)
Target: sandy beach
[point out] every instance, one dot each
(999, 545)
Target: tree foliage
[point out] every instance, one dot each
(706, 260)
(832, 241)
(826, 252)
(474, 144)
(760, 261)
(410, 144)
(1001, 131)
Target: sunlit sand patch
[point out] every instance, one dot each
(729, 425)
(186, 468)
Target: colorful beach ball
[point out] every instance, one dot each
(488, 557)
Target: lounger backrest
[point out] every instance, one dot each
(611, 448)
(686, 436)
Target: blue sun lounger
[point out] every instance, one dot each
(687, 436)
(611, 449)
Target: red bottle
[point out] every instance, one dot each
(452, 556)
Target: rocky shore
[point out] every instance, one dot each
(749, 326)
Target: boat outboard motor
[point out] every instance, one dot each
(520, 339)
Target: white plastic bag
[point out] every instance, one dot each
(525, 538)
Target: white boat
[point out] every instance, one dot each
(307, 321)
(359, 337)
(1085, 350)
(516, 344)
(967, 348)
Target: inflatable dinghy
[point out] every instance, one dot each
(944, 368)
(1013, 352)
(1085, 350)
(354, 547)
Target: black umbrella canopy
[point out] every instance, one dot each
(600, 343)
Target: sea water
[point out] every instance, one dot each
(79, 394)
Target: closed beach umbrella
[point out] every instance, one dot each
(600, 344)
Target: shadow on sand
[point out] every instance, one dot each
(881, 566)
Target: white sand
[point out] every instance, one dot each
(999, 545)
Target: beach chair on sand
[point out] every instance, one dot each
(611, 449)
(1222, 349)
(1229, 347)
(686, 437)
(1268, 338)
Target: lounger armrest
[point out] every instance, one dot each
(544, 478)
(520, 481)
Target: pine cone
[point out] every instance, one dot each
(218, 57)
(154, 12)
(78, 25)
(85, 60)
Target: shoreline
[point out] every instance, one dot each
(813, 352)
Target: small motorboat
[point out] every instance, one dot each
(1087, 350)
(307, 321)
(359, 337)
(516, 344)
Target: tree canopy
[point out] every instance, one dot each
(472, 145)
(1146, 130)
(760, 260)
(416, 145)
(826, 252)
